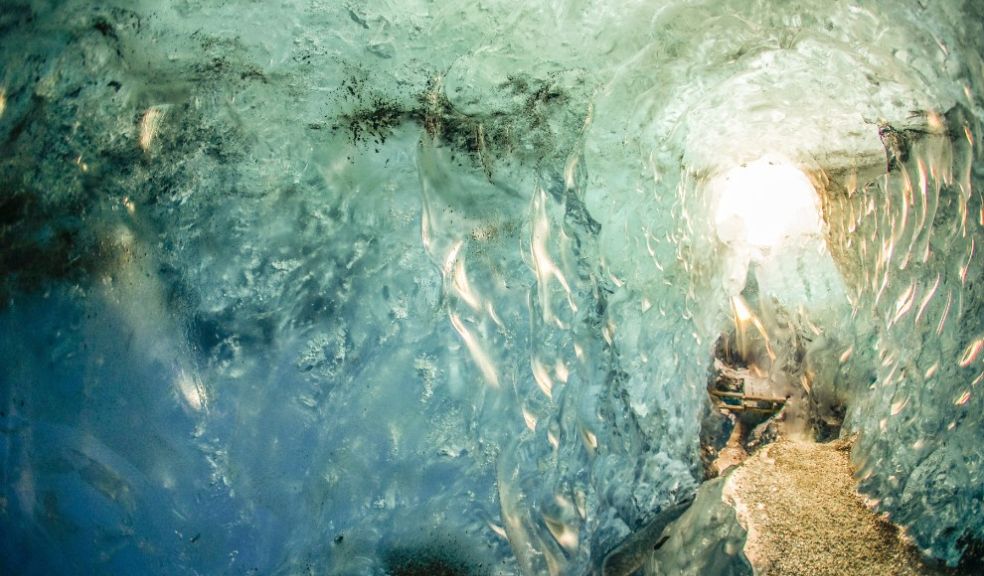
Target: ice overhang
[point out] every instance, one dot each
(815, 94)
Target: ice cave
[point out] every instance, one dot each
(558, 287)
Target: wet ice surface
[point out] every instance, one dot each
(344, 289)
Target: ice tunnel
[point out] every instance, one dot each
(414, 287)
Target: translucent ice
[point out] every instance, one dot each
(370, 287)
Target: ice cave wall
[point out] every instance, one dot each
(324, 286)
(913, 267)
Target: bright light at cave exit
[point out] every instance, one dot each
(764, 202)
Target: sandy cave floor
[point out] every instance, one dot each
(799, 503)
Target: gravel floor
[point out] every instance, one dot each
(799, 504)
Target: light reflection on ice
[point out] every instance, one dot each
(541, 223)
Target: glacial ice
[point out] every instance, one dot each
(389, 287)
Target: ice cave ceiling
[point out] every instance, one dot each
(322, 286)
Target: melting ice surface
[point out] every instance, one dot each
(362, 287)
